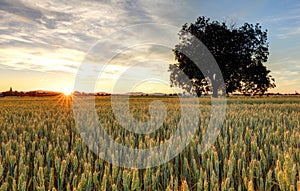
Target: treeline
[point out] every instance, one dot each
(30, 93)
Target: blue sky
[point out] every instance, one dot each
(42, 44)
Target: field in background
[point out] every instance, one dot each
(258, 147)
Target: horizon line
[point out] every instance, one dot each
(60, 91)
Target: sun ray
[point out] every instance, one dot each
(67, 91)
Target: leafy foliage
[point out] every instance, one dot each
(239, 53)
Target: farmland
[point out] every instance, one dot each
(258, 147)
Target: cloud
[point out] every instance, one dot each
(32, 31)
(19, 9)
(286, 73)
(63, 60)
(288, 32)
(284, 23)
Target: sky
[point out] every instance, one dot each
(126, 45)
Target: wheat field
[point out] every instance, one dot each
(258, 147)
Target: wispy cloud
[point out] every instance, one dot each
(63, 60)
(285, 22)
(286, 72)
(47, 26)
(288, 32)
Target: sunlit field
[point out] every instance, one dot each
(258, 147)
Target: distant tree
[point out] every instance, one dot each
(239, 52)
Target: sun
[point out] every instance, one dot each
(67, 91)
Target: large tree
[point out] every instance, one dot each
(239, 52)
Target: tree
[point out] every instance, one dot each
(239, 53)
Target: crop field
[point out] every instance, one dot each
(258, 147)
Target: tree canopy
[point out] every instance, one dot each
(239, 52)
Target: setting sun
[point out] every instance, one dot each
(67, 91)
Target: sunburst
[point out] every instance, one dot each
(67, 91)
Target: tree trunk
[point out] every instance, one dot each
(198, 92)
